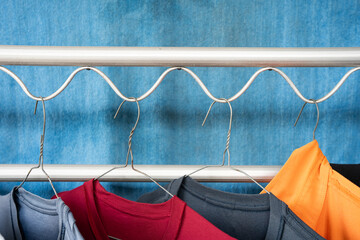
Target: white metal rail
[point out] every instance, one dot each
(161, 173)
(179, 56)
(191, 73)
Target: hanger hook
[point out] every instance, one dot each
(317, 118)
(229, 131)
(129, 152)
(41, 155)
(227, 139)
(228, 143)
(227, 147)
(132, 133)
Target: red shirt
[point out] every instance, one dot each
(99, 213)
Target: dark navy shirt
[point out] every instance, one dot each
(243, 216)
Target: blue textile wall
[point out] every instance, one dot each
(80, 124)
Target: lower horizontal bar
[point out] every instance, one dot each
(161, 173)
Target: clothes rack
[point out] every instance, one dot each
(176, 58)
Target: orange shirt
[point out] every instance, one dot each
(325, 200)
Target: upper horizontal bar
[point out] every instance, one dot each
(179, 56)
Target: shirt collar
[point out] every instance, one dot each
(236, 201)
(173, 208)
(37, 204)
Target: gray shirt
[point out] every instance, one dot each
(243, 216)
(28, 216)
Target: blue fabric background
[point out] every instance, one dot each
(80, 127)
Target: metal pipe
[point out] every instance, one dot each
(179, 56)
(161, 173)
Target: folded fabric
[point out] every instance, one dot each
(24, 215)
(243, 216)
(324, 199)
(100, 214)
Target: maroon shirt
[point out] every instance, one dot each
(99, 213)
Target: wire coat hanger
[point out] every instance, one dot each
(130, 138)
(227, 149)
(317, 118)
(41, 157)
(129, 153)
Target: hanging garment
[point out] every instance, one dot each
(243, 216)
(99, 213)
(24, 215)
(325, 200)
(350, 171)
